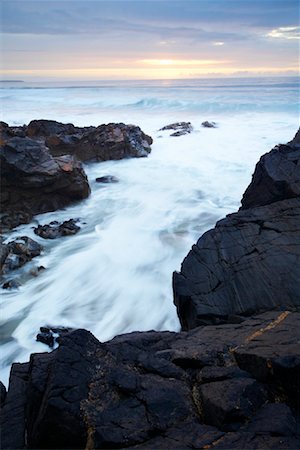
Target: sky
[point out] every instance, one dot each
(146, 39)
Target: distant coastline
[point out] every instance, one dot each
(12, 81)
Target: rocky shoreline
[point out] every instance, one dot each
(41, 164)
(229, 380)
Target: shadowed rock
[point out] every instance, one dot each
(55, 229)
(34, 182)
(144, 390)
(250, 261)
(17, 253)
(180, 128)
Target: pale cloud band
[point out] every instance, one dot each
(285, 33)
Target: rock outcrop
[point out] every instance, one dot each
(232, 385)
(33, 181)
(40, 171)
(250, 261)
(55, 229)
(180, 128)
(214, 387)
(102, 143)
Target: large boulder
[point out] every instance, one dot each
(250, 262)
(158, 390)
(33, 181)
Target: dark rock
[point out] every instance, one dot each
(276, 177)
(296, 141)
(274, 418)
(107, 179)
(180, 128)
(52, 335)
(106, 142)
(36, 271)
(228, 404)
(2, 393)
(250, 261)
(252, 441)
(19, 252)
(43, 128)
(35, 182)
(13, 414)
(131, 392)
(207, 124)
(11, 284)
(55, 229)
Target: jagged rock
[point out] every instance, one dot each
(34, 182)
(250, 261)
(276, 177)
(207, 124)
(180, 127)
(105, 142)
(19, 252)
(107, 179)
(51, 335)
(55, 229)
(136, 392)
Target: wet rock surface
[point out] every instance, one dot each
(158, 390)
(51, 335)
(40, 171)
(250, 261)
(107, 179)
(18, 252)
(33, 181)
(276, 177)
(180, 128)
(207, 124)
(55, 229)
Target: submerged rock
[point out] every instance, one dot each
(55, 229)
(11, 284)
(250, 261)
(144, 390)
(107, 179)
(34, 182)
(51, 335)
(180, 128)
(207, 124)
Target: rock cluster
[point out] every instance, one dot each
(55, 229)
(250, 261)
(17, 253)
(220, 387)
(180, 128)
(231, 384)
(40, 171)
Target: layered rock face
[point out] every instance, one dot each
(250, 261)
(220, 387)
(40, 170)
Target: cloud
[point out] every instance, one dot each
(218, 43)
(285, 33)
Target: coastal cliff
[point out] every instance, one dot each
(231, 384)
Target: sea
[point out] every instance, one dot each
(115, 275)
